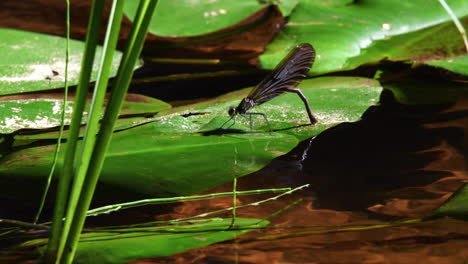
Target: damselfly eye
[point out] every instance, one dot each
(232, 111)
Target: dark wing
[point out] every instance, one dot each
(287, 74)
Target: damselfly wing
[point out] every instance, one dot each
(284, 78)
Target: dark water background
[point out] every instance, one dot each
(397, 163)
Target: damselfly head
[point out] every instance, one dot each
(232, 111)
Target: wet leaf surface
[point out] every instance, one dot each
(457, 65)
(44, 110)
(243, 46)
(36, 62)
(206, 16)
(166, 154)
(348, 35)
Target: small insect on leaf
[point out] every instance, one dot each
(284, 78)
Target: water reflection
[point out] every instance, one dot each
(394, 146)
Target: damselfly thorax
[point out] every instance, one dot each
(284, 78)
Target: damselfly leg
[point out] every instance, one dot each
(250, 114)
(284, 78)
(312, 118)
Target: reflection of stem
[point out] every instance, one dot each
(280, 211)
(234, 202)
(456, 21)
(339, 229)
(185, 76)
(234, 193)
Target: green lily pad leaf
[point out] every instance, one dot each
(205, 16)
(457, 65)
(457, 205)
(121, 124)
(333, 100)
(184, 151)
(43, 110)
(348, 35)
(418, 91)
(35, 62)
(124, 245)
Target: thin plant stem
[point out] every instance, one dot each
(328, 231)
(245, 205)
(24, 224)
(185, 61)
(456, 21)
(62, 116)
(64, 181)
(117, 207)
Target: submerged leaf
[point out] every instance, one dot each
(124, 245)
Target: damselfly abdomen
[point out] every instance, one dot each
(284, 78)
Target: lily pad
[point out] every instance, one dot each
(348, 35)
(124, 245)
(205, 16)
(457, 65)
(39, 111)
(35, 62)
(184, 151)
(121, 124)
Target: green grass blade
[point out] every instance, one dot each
(67, 170)
(120, 87)
(91, 130)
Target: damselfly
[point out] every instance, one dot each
(284, 78)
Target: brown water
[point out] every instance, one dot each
(398, 163)
(387, 167)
